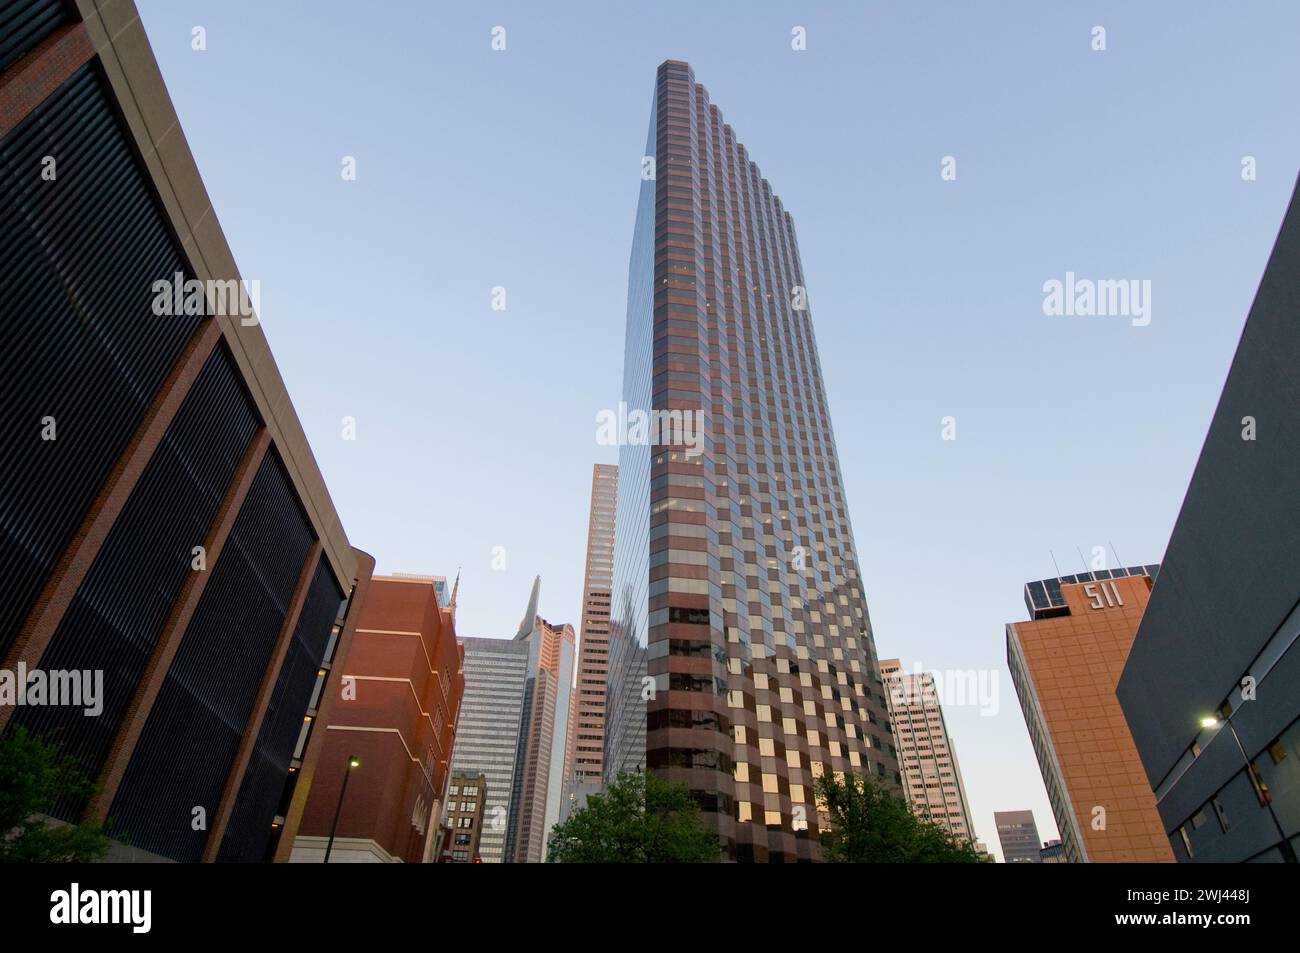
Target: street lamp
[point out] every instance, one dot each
(353, 762)
(1288, 852)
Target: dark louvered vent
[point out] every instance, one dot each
(193, 733)
(78, 258)
(249, 829)
(24, 23)
(114, 622)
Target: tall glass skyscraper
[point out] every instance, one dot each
(741, 659)
(487, 736)
(514, 721)
(540, 765)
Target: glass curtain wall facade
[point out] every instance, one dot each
(625, 699)
(741, 644)
(543, 732)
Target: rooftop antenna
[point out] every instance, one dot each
(1056, 567)
(1119, 563)
(1082, 561)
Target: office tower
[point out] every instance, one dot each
(487, 737)
(586, 742)
(544, 724)
(1209, 688)
(1052, 852)
(742, 662)
(926, 756)
(164, 524)
(1064, 665)
(1018, 835)
(399, 699)
(466, 803)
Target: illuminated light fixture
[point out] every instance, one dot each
(353, 762)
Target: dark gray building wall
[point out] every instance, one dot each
(1229, 584)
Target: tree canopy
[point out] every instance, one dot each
(872, 825)
(33, 775)
(639, 819)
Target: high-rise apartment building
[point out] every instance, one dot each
(1018, 835)
(927, 759)
(1065, 664)
(742, 662)
(163, 525)
(586, 744)
(543, 733)
(399, 699)
(1209, 688)
(466, 806)
(487, 736)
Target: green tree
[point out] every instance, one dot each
(639, 819)
(872, 825)
(33, 775)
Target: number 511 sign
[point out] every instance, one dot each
(1104, 595)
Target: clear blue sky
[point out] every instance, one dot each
(475, 168)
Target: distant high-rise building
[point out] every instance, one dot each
(397, 714)
(1052, 852)
(741, 656)
(487, 736)
(1210, 686)
(926, 757)
(586, 740)
(444, 592)
(163, 522)
(1064, 665)
(466, 807)
(1018, 835)
(539, 762)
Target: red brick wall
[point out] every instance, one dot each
(406, 664)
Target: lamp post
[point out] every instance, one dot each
(353, 762)
(1288, 852)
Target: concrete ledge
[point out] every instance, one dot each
(347, 850)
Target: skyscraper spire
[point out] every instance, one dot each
(530, 614)
(454, 586)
